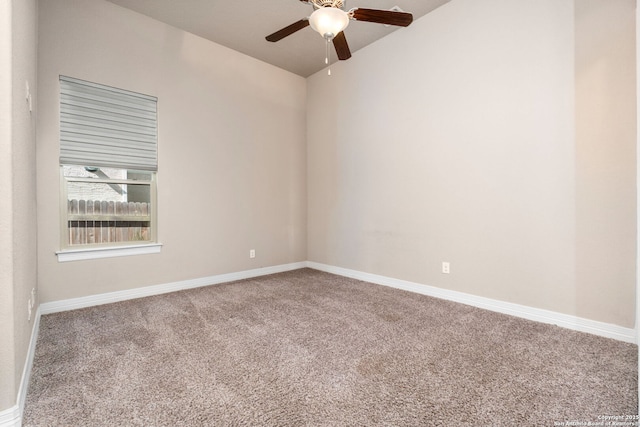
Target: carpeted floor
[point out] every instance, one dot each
(307, 348)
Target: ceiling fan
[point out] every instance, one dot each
(330, 18)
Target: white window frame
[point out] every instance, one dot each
(76, 252)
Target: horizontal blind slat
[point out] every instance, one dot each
(113, 119)
(97, 146)
(101, 108)
(108, 99)
(125, 134)
(89, 84)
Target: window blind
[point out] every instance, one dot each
(107, 127)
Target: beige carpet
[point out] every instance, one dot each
(306, 348)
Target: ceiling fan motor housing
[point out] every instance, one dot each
(339, 4)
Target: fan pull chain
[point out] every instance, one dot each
(327, 55)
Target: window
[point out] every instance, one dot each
(106, 206)
(108, 165)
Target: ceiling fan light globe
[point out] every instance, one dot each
(329, 21)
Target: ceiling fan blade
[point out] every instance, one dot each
(287, 31)
(389, 17)
(342, 47)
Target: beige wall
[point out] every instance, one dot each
(455, 140)
(605, 156)
(17, 190)
(637, 325)
(231, 149)
(24, 62)
(7, 361)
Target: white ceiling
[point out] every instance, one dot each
(242, 25)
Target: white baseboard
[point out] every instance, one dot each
(92, 300)
(539, 315)
(26, 371)
(12, 417)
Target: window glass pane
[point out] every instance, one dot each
(99, 213)
(105, 173)
(100, 191)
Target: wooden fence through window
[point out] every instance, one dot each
(96, 221)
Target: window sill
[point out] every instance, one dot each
(109, 252)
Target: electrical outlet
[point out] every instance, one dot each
(252, 253)
(446, 268)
